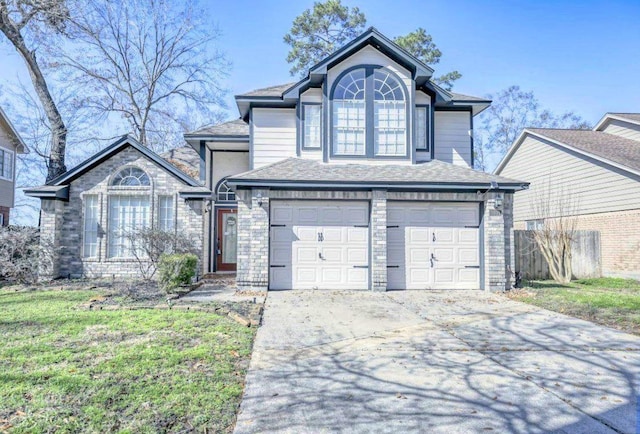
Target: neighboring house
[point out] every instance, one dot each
(87, 212)
(359, 176)
(595, 173)
(11, 144)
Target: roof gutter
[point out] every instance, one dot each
(432, 186)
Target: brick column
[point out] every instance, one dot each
(51, 217)
(253, 240)
(378, 229)
(498, 243)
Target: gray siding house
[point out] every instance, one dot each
(359, 176)
(11, 144)
(596, 174)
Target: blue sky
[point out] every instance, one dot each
(575, 55)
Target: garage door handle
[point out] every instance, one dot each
(434, 237)
(320, 256)
(471, 266)
(360, 266)
(432, 260)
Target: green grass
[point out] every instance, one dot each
(608, 301)
(64, 369)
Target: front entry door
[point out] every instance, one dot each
(227, 240)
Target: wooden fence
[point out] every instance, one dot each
(585, 260)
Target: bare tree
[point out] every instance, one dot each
(21, 21)
(149, 244)
(149, 61)
(554, 233)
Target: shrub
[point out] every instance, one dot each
(22, 253)
(149, 244)
(176, 270)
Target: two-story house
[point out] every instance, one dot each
(11, 144)
(359, 176)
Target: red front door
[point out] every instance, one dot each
(227, 241)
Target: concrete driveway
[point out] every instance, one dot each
(424, 361)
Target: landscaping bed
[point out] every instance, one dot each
(608, 301)
(65, 368)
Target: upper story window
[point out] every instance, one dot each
(369, 114)
(6, 164)
(312, 126)
(422, 128)
(224, 193)
(131, 177)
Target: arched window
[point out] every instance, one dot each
(131, 177)
(224, 193)
(369, 116)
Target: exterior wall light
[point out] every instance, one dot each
(259, 197)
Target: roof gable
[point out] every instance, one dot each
(21, 146)
(631, 118)
(610, 149)
(111, 150)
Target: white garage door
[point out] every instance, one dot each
(318, 244)
(433, 245)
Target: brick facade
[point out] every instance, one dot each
(619, 240)
(62, 222)
(253, 232)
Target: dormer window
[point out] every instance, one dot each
(369, 114)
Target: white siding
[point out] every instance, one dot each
(622, 129)
(370, 56)
(274, 135)
(452, 137)
(591, 187)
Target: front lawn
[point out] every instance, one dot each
(608, 301)
(68, 369)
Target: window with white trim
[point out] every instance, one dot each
(312, 126)
(369, 114)
(6, 164)
(127, 214)
(166, 213)
(534, 225)
(224, 192)
(90, 246)
(131, 177)
(422, 128)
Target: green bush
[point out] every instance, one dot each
(176, 270)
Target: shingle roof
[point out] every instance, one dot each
(184, 158)
(433, 172)
(635, 117)
(462, 97)
(277, 91)
(608, 146)
(236, 127)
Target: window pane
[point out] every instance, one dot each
(2, 154)
(90, 226)
(127, 214)
(165, 213)
(224, 193)
(421, 128)
(131, 177)
(390, 126)
(312, 126)
(349, 132)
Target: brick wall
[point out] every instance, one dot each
(253, 232)
(62, 222)
(619, 240)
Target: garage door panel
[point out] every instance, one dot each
(282, 215)
(306, 255)
(325, 261)
(418, 235)
(443, 235)
(428, 228)
(468, 256)
(357, 255)
(468, 236)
